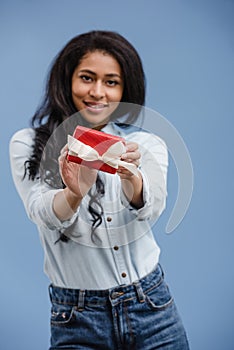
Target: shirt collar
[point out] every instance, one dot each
(112, 128)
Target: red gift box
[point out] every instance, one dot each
(99, 141)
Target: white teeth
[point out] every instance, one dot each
(95, 106)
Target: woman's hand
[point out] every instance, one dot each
(78, 178)
(132, 155)
(132, 185)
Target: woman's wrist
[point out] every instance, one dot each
(65, 204)
(133, 190)
(72, 199)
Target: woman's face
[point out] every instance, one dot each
(97, 87)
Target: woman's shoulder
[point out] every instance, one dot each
(146, 138)
(25, 135)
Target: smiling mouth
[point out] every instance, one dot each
(95, 106)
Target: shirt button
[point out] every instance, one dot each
(124, 275)
(116, 247)
(109, 218)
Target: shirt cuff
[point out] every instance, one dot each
(51, 219)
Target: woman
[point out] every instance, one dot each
(107, 287)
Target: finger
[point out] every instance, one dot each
(122, 168)
(62, 159)
(124, 173)
(131, 146)
(62, 155)
(131, 156)
(64, 149)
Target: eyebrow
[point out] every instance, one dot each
(110, 75)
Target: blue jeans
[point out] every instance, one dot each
(139, 316)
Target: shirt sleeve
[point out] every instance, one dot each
(153, 168)
(37, 197)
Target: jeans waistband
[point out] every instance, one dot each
(78, 297)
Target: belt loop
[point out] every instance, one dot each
(139, 291)
(81, 300)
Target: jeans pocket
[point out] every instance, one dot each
(61, 315)
(159, 297)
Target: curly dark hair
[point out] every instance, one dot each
(57, 104)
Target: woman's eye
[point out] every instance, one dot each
(112, 82)
(86, 78)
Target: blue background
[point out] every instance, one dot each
(187, 48)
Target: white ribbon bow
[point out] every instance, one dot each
(110, 157)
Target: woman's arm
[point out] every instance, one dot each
(132, 185)
(148, 197)
(45, 206)
(78, 180)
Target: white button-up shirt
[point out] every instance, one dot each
(123, 248)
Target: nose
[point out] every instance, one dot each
(97, 90)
